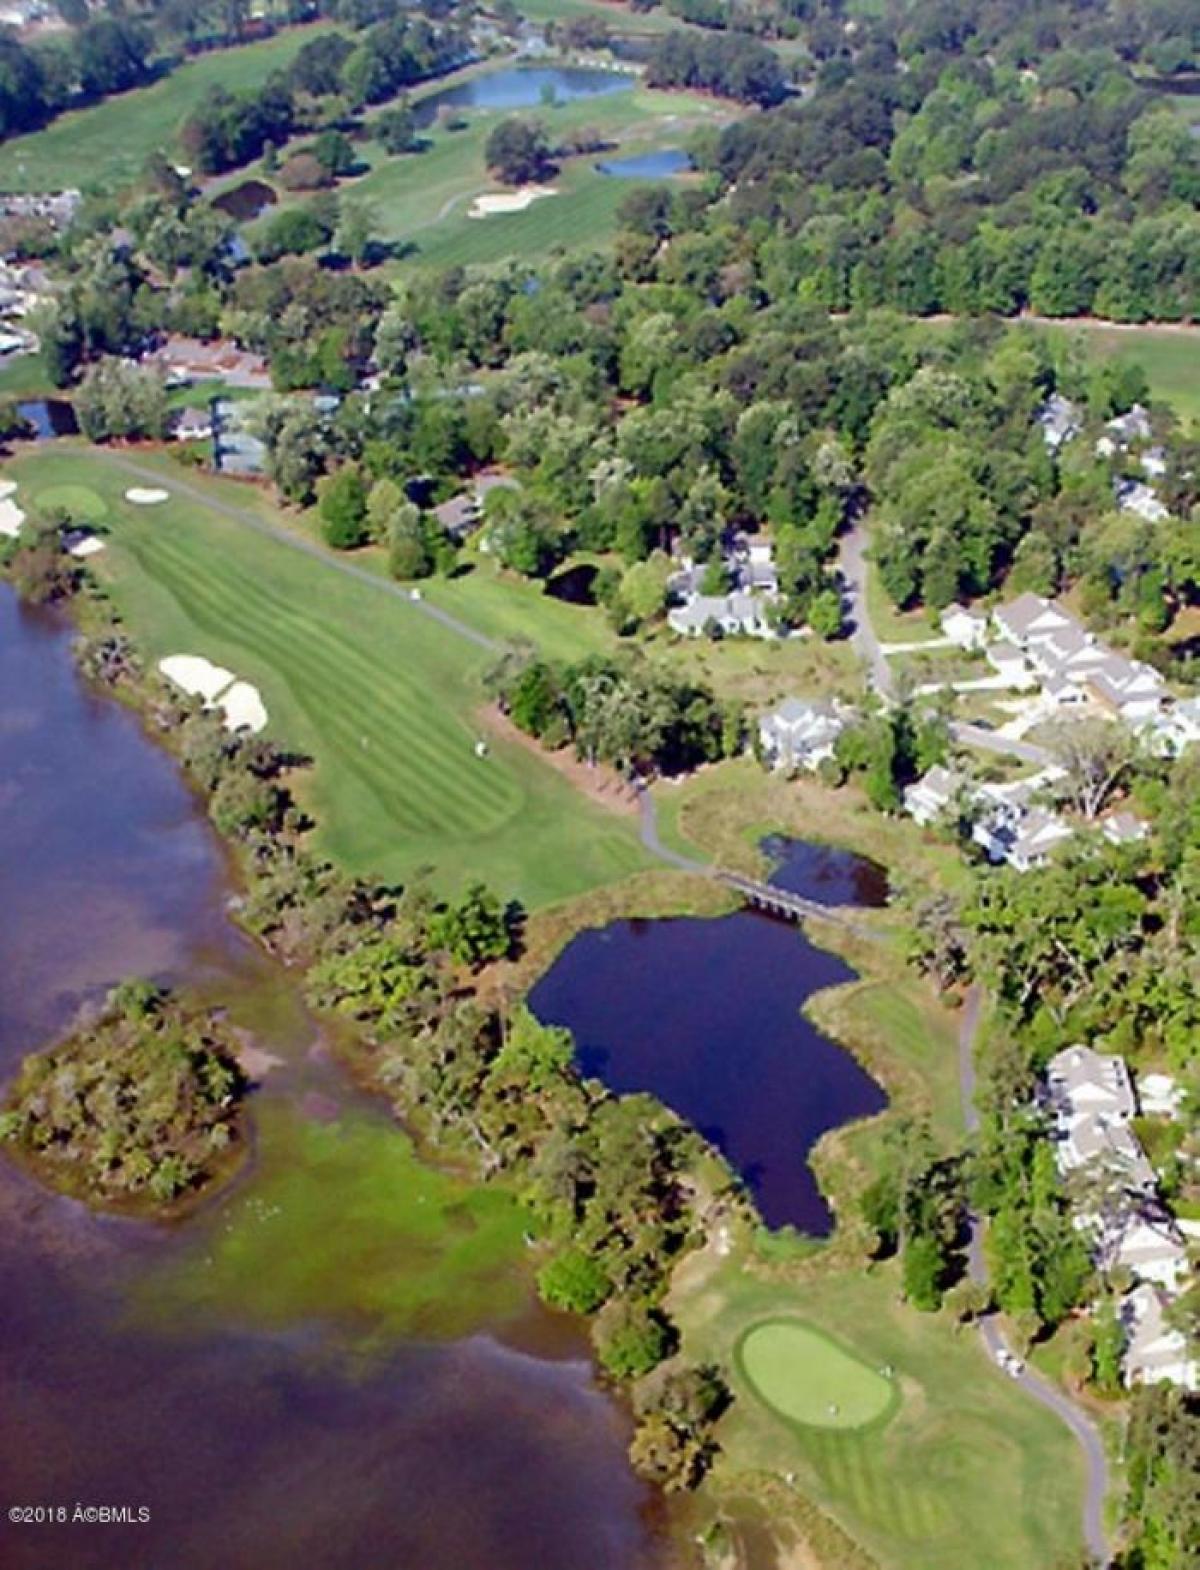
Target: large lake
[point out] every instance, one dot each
(522, 87)
(705, 1014)
(335, 1366)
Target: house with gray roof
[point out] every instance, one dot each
(802, 733)
(1028, 618)
(1155, 1352)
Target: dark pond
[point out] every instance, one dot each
(574, 585)
(825, 874)
(706, 1015)
(648, 166)
(245, 201)
(247, 1375)
(50, 417)
(522, 87)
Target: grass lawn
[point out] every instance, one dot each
(380, 696)
(967, 1472)
(422, 199)
(26, 376)
(891, 625)
(106, 144)
(806, 1377)
(1170, 358)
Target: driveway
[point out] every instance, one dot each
(852, 561)
(992, 1336)
(1006, 746)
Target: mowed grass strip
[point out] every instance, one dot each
(806, 1377)
(382, 698)
(105, 145)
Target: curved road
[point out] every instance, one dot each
(295, 542)
(1032, 1383)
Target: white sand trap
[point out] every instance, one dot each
(88, 546)
(243, 707)
(143, 496)
(7, 488)
(11, 517)
(197, 676)
(508, 201)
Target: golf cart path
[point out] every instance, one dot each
(297, 542)
(1032, 1383)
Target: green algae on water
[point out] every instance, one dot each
(342, 1225)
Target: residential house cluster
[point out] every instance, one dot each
(1092, 1102)
(744, 611)
(1126, 438)
(23, 287)
(802, 732)
(1032, 642)
(1006, 822)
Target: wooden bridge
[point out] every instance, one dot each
(783, 903)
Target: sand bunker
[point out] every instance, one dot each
(243, 707)
(508, 201)
(142, 496)
(88, 546)
(11, 518)
(7, 488)
(198, 677)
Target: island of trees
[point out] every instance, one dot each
(136, 1109)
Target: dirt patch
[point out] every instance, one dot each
(600, 782)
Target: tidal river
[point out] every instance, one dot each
(336, 1365)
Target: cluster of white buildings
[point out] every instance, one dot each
(1033, 643)
(1092, 1102)
(1126, 438)
(1006, 820)
(742, 612)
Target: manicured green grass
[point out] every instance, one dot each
(25, 376)
(968, 1472)
(105, 146)
(382, 697)
(806, 1377)
(422, 199)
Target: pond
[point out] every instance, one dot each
(574, 585)
(50, 417)
(522, 87)
(336, 1364)
(246, 201)
(705, 1014)
(658, 165)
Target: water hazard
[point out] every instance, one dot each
(522, 87)
(705, 1014)
(334, 1365)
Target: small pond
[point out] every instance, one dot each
(50, 417)
(659, 165)
(575, 585)
(520, 87)
(245, 201)
(705, 1014)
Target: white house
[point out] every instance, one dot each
(1133, 426)
(1124, 828)
(965, 627)
(1060, 420)
(1159, 1095)
(928, 798)
(193, 425)
(1154, 1351)
(1028, 618)
(1080, 1080)
(1148, 1245)
(1127, 688)
(1020, 835)
(1066, 651)
(1007, 660)
(1137, 497)
(801, 733)
(740, 613)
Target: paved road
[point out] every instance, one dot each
(648, 812)
(852, 561)
(992, 1336)
(295, 542)
(1009, 746)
